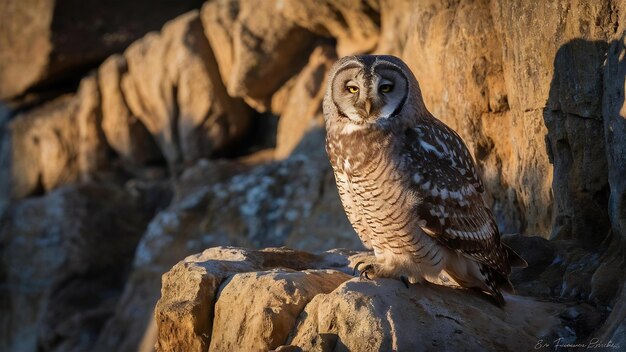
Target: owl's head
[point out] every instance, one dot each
(370, 91)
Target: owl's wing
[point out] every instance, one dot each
(451, 208)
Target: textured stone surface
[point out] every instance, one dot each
(65, 38)
(245, 304)
(262, 48)
(43, 148)
(123, 131)
(56, 144)
(223, 315)
(302, 111)
(91, 144)
(173, 86)
(614, 116)
(354, 24)
(244, 318)
(64, 259)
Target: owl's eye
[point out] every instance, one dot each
(386, 88)
(352, 89)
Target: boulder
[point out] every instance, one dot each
(56, 144)
(259, 47)
(44, 148)
(64, 39)
(93, 151)
(265, 321)
(276, 298)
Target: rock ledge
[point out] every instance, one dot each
(228, 298)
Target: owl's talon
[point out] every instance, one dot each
(405, 281)
(356, 267)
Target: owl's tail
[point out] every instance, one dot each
(515, 259)
(472, 274)
(495, 282)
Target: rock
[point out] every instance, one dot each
(5, 160)
(309, 303)
(614, 328)
(573, 118)
(64, 259)
(173, 86)
(56, 144)
(123, 131)
(25, 49)
(212, 270)
(92, 147)
(44, 148)
(218, 19)
(302, 111)
(267, 320)
(533, 79)
(260, 48)
(614, 119)
(354, 24)
(525, 84)
(64, 39)
(394, 26)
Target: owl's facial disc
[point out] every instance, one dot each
(367, 95)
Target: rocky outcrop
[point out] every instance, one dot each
(65, 38)
(260, 48)
(174, 89)
(235, 299)
(165, 89)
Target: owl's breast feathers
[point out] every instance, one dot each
(451, 207)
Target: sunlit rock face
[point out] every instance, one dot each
(208, 132)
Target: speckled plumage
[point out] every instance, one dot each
(407, 181)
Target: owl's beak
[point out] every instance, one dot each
(368, 106)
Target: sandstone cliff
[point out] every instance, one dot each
(122, 152)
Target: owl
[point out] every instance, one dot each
(407, 181)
